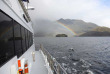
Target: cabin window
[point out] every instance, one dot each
(26, 39)
(17, 39)
(23, 39)
(29, 38)
(25, 18)
(6, 38)
(14, 38)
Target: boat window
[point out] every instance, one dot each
(17, 39)
(6, 38)
(26, 38)
(25, 18)
(14, 38)
(23, 39)
(31, 38)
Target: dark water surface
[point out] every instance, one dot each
(90, 55)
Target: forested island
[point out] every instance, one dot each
(61, 35)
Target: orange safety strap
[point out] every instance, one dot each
(19, 63)
(26, 70)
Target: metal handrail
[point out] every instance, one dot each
(55, 66)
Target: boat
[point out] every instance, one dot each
(18, 54)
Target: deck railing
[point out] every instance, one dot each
(54, 65)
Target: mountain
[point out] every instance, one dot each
(47, 28)
(100, 31)
(78, 26)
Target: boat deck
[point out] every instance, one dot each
(38, 66)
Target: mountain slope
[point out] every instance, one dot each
(47, 28)
(100, 31)
(79, 26)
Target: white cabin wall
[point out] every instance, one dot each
(6, 68)
(14, 12)
(12, 8)
(28, 56)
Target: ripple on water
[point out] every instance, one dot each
(95, 52)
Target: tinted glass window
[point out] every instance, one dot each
(23, 39)
(26, 39)
(17, 39)
(31, 38)
(6, 38)
(14, 39)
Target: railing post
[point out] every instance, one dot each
(58, 69)
(41, 47)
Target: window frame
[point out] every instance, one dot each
(27, 44)
(13, 40)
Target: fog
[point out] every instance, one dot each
(96, 11)
(47, 28)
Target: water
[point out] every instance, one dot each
(90, 55)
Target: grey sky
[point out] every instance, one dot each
(46, 28)
(95, 11)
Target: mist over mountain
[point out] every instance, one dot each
(47, 28)
(78, 26)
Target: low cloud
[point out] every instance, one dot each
(95, 11)
(46, 28)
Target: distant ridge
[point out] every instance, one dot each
(79, 26)
(100, 31)
(49, 28)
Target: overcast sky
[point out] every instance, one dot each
(96, 11)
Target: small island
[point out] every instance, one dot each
(61, 35)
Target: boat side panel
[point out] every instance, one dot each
(6, 68)
(28, 56)
(15, 12)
